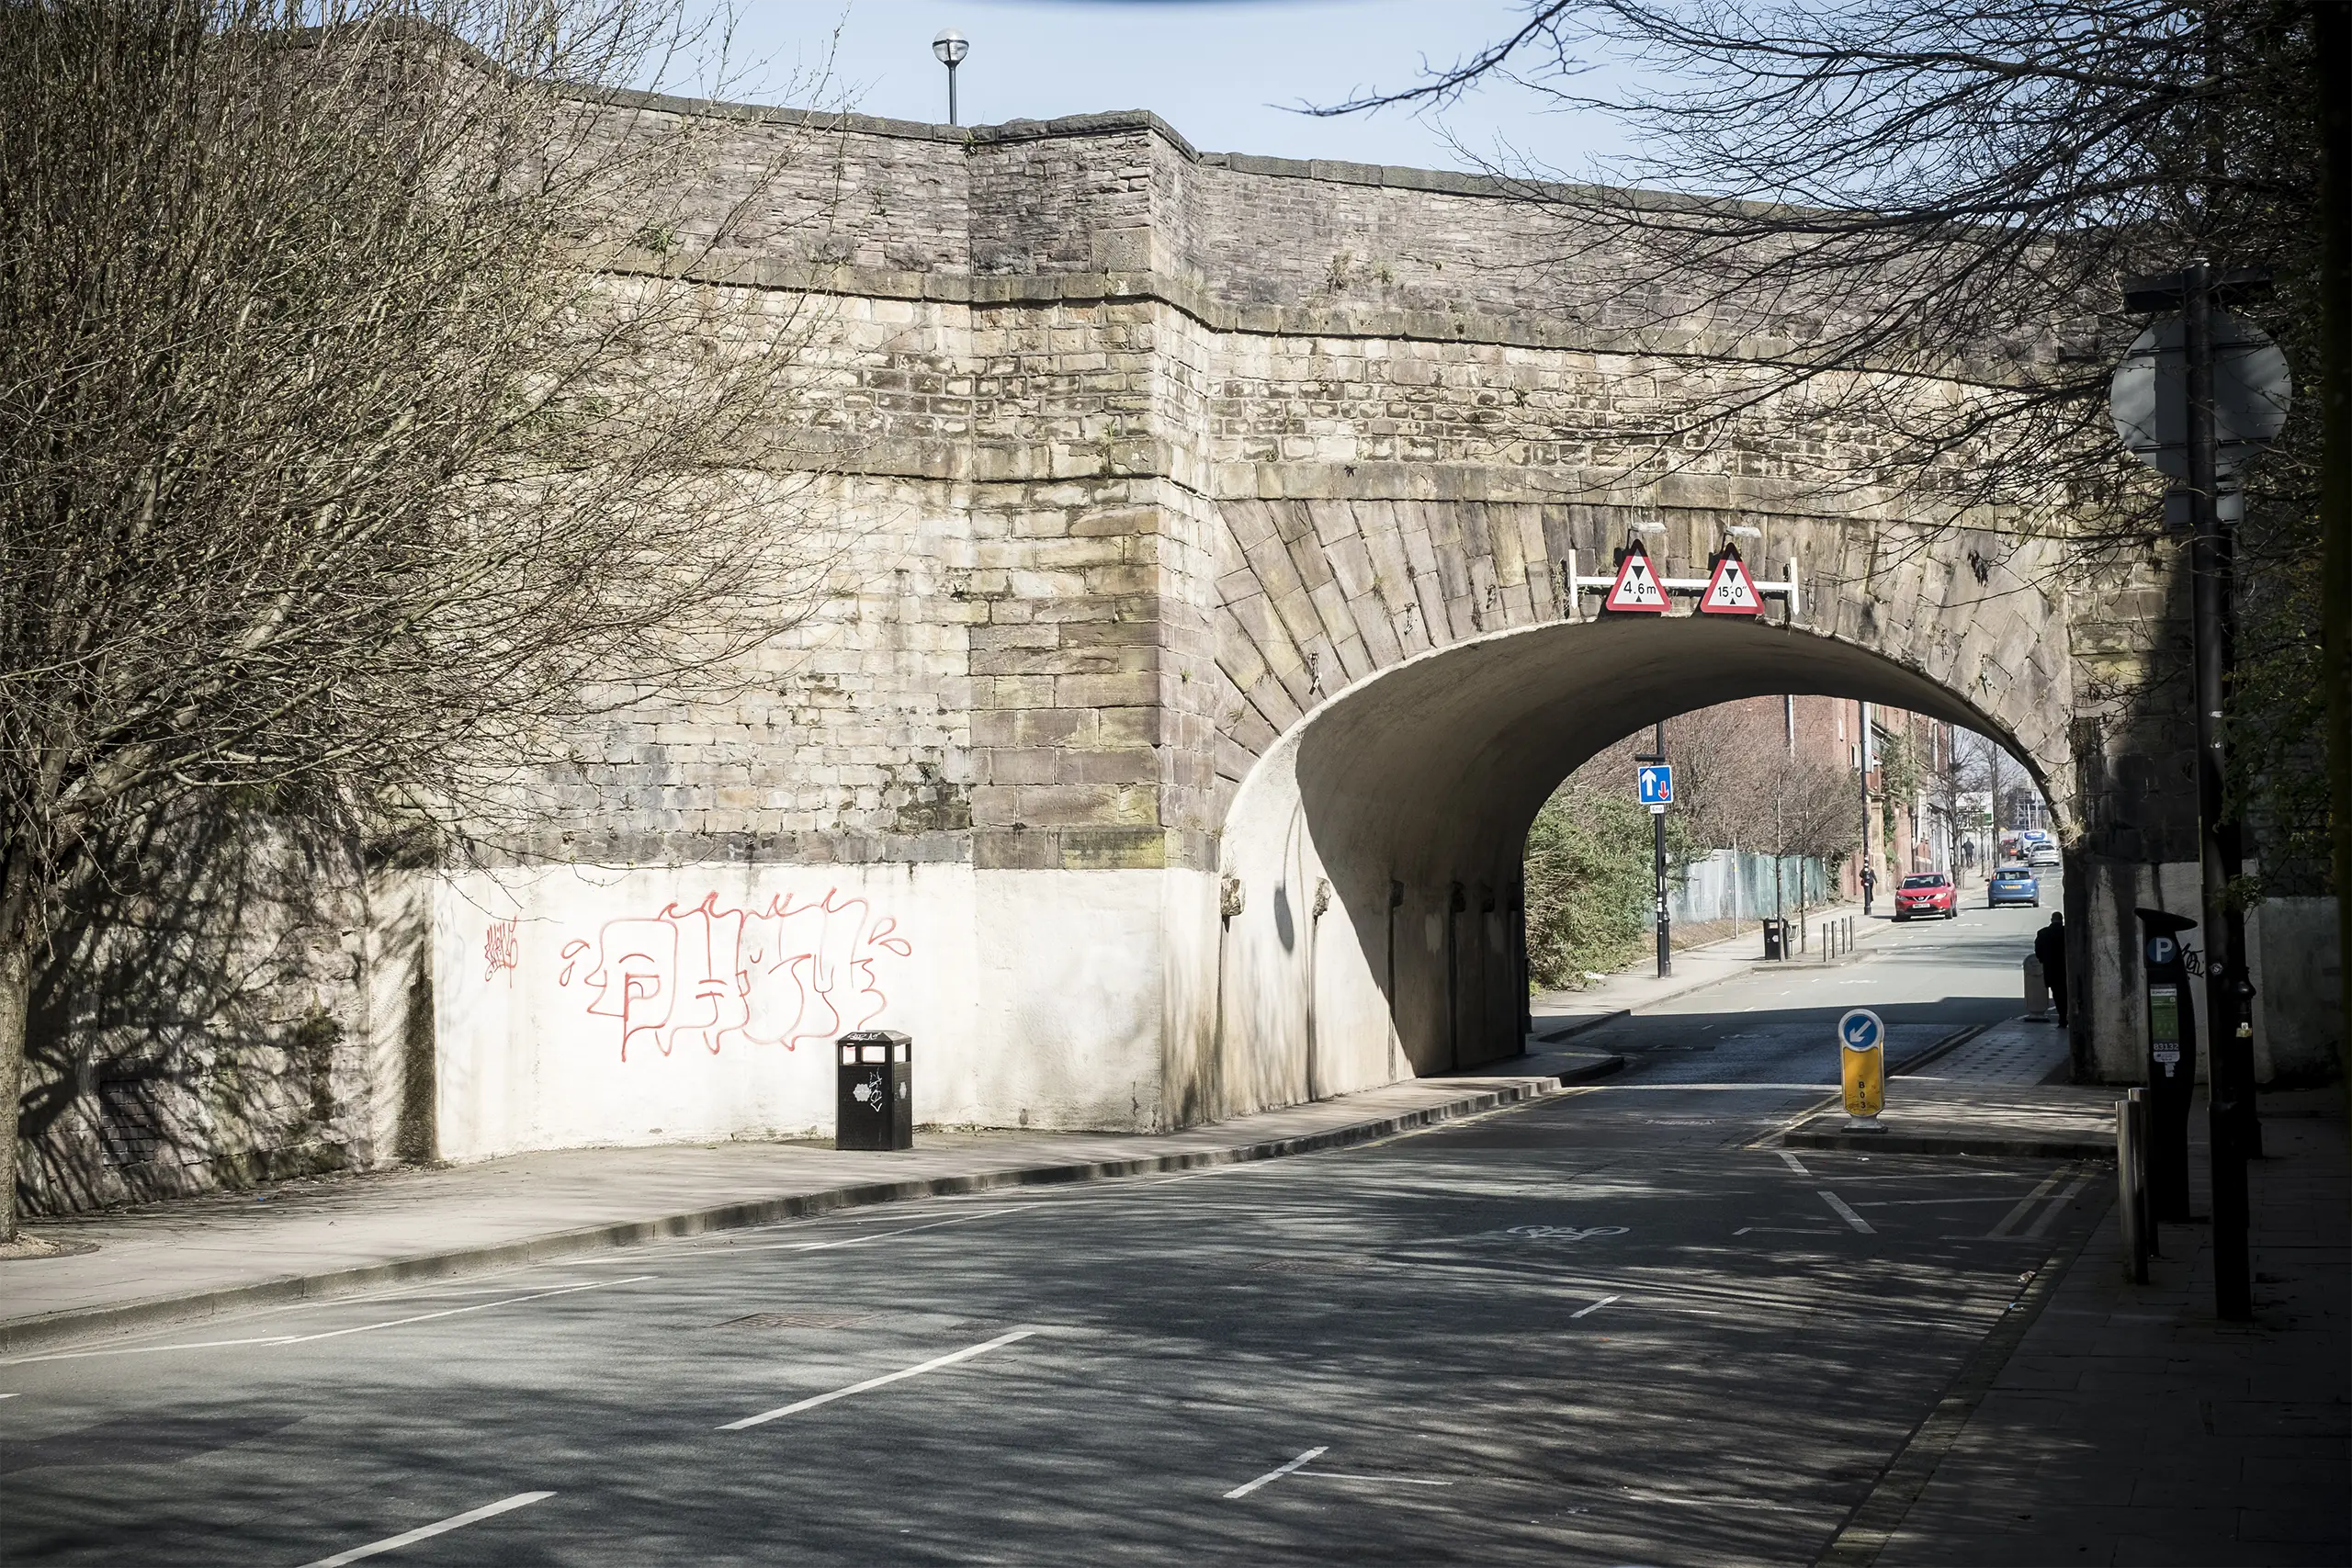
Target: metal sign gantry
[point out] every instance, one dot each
(1577, 585)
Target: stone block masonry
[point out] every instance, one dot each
(1198, 653)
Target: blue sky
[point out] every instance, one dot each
(1221, 71)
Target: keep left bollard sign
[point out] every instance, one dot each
(1861, 1040)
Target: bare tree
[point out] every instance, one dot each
(1715, 751)
(365, 430)
(1946, 192)
(1808, 810)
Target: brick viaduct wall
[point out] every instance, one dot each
(1200, 655)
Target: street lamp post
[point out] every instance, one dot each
(2182, 433)
(951, 47)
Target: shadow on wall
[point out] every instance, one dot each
(196, 1024)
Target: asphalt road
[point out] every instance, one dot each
(1598, 1329)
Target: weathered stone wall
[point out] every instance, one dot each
(1208, 519)
(202, 1021)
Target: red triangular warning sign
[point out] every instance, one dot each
(1636, 587)
(1730, 591)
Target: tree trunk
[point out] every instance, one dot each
(16, 993)
(2335, 39)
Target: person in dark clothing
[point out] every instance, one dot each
(2050, 947)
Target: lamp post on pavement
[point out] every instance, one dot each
(2195, 397)
(951, 47)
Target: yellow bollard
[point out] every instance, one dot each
(1861, 1040)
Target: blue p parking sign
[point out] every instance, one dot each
(1656, 783)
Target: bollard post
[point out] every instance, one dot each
(2131, 1187)
(1861, 1038)
(2135, 1101)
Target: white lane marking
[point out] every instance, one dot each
(1787, 1230)
(143, 1350)
(1640, 1496)
(1845, 1213)
(328, 1334)
(19, 1395)
(1276, 1474)
(859, 1240)
(1795, 1164)
(2065, 1193)
(1595, 1306)
(932, 1365)
(427, 1532)
(1382, 1480)
(457, 1312)
(2025, 1206)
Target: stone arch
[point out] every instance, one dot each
(1464, 692)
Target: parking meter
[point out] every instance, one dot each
(2172, 1060)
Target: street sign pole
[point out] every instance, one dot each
(2192, 405)
(1657, 867)
(2224, 927)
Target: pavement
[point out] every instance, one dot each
(133, 1269)
(2126, 1424)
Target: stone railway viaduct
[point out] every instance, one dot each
(1201, 659)
(1210, 656)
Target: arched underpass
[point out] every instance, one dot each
(1376, 846)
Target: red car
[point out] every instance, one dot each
(1931, 893)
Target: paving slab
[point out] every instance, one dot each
(2184, 1440)
(135, 1268)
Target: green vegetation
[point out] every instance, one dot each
(1589, 883)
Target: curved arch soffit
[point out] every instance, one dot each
(1442, 758)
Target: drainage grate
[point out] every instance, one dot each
(796, 1320)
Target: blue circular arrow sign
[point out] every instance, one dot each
(1862, 1030)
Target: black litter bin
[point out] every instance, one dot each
(1776, 939)
(874, 1105)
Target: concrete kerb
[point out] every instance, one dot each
(49, 1329)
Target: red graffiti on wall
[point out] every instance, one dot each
(707, 976)
(501, 949)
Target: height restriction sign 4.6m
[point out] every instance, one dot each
(1637, 588)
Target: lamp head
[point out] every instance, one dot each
(951, 47)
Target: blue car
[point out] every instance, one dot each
(2013, 884)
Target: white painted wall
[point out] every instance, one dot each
(584, 1006)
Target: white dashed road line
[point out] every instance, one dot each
(1845, 1213)
(1276, 1474)
(427, 1532)
(1795, 1164)
(2049, 1214)
(1594, 1307)
(2010, 1221)
(934, 1364)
